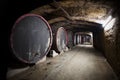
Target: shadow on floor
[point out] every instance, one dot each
(83, 62)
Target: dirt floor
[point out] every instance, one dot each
(80, 63)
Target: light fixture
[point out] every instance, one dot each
(104, 21)
(110, 24)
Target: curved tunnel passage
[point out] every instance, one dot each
(90, 16)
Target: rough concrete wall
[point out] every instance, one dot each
(98, 40)
(112, 48)
(118, 50)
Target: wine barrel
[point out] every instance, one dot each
(31, 38)
(78, 39)
(59, 39)
(75, 42)
(70, 39)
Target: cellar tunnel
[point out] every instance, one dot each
(79, 32)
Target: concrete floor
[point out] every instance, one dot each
(81, 63)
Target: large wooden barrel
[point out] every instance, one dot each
(31, 38)
(70, 39)
(75, 40)
(59, 39)
(78, 38)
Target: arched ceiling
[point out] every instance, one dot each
(76, 12)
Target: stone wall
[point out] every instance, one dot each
(117, 66)
(112, 47)
(98, 39)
